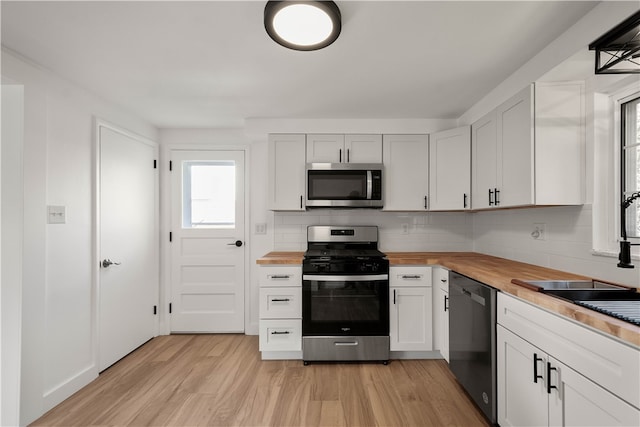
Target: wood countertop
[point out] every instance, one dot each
(498, 273)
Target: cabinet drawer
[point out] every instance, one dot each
(441, 278)
(274, 276)
(281, 335)
(410, 276)
(281, 303)
(604, 360)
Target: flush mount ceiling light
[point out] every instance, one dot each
(618, 51)
(302, 25)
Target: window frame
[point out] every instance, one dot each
(624, 132)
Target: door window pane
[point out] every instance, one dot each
(631, 163)
(209, 194)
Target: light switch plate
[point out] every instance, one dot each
(56, 214)
(261, 228)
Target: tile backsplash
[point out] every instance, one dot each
(567, 243)
(398, 231)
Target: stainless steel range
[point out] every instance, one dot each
(345, 295)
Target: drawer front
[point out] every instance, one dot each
(441, 278)
(281, 335)
(410, 276)
(274, 276)
(281, 303)
(604, 360)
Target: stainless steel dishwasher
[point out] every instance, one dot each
(472, 340)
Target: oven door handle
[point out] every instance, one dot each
(345, 278)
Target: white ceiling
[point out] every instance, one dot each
(211, 63)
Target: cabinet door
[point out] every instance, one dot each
(286, 172)
(450, 169)
(406, 172)
(410, 321)
(484, 161)
(325, 148)
(515, 150)
(362, 149)
(441, 311)
(522, 394)
(576, 401)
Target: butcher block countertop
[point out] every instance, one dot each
(498, 273)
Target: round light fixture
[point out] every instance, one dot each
(302, 25)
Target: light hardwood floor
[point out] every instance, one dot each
(192, 380)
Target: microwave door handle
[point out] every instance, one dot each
(369, 185)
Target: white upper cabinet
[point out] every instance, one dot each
(336, 148)
(514, 123)
(363, 148)
(484, 169)
(530, 150)
(325, 148)
(406, 172)
(286, 172)
(450, 169)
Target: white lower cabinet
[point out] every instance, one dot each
(441, 311)
(554, 372)
(280, 311)
(410, 315)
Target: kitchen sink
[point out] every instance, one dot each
(613, 300)
(606, 294)
(553, 285)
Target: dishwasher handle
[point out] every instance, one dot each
(474, 297)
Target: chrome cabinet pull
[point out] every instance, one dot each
(411, 276)
(280, 333)
(280, 300)
(279, 276)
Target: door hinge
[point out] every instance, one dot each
(155, 164)
(170, 165)
(155, 310)
(170, 308)
(170, 236)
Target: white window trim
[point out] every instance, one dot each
(606, 203)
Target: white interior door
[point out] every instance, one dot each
(128, 235)
(207, 241)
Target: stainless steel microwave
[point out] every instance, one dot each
(344, 185)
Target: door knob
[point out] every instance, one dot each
(107, 262)
(237, 243)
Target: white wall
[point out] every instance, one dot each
(11, 250)
(59, 330)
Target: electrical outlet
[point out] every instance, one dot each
(539, 231)
(405, 228)
(261, 228)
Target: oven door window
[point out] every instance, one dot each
(345, 307)
(334, 185)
